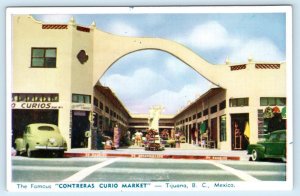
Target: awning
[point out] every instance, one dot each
(203, 127)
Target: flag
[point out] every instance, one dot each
(247, 131)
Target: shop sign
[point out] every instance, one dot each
(81, 106)
(35, 105)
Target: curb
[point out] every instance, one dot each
(155, 156)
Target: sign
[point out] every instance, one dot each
(79, 113)
(36, 105)
(81, 106)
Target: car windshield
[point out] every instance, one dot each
(45, 128)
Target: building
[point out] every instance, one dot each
(56, 69)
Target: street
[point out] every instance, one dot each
(142, 170)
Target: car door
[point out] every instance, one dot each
(271, 145)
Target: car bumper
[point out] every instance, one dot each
(50, 148)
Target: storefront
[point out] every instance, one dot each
(30, 108)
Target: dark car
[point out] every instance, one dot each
(273, 147)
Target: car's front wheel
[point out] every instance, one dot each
(255, 155)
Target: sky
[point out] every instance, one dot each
(148, 78)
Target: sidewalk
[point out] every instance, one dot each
(185, 152)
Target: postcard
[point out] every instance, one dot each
(182, 98)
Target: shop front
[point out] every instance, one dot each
(30, 108)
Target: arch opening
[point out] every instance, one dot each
(150, 77)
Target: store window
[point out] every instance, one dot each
(239, 102)
(43, 57)
(78, 98)
(272, 101)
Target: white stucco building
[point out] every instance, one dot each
(56, 69)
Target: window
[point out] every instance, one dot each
(78, 98)
(101, 105)
(96, 102)
(282, 137)
(273, 138)
(45, 128)
(239, 102)
(272, 101)
(106, 109)
(205, 112)
(194, 116)
(199, 115)
(43, 57)
(222, 105)
(214, 109)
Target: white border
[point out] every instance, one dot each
(263, 185)
(153, 10)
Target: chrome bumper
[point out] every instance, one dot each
(50, 148)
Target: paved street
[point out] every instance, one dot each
(142, 170)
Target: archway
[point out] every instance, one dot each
(109, 48)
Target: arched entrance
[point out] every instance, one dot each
(109, 48)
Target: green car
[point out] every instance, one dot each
(41, 137)
(273, 147)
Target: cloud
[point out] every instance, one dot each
(172, 101)
(209, 36)
(259, 49)
(213, 36)
(176, 66)
(54, 18)
(121, 28)
(143, 82)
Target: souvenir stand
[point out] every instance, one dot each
(153, 141)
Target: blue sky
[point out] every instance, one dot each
(147, 78)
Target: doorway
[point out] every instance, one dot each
(238, 125)
(80, 124)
